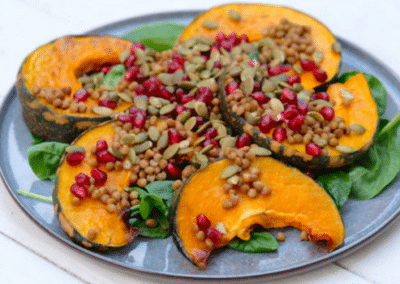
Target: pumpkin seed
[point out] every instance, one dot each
(337, 47)
(143, 147)
(303, 55)
(297, 68)
(235, 71)
(345, 149)
(162, 141)
(316, 115)
(247, 86)
(206, 149)
(357, 128)
(297, 87)
(183, 116)
(197, 60)
(276, 105)
(346, 94)
(225, 60)
(271, 95)
(252, 118)
(141, 137)
(210, 25)
(278, 55)
(205, 74)
(206, 83)
(203, 47)
(189, 43)
(165, 78)
(152, 110)
(154, 133)
(236, 51)
(75, 148)
(156, 102)
(247, 72)
(86, 80)
(318, 56)
(222, 131)
(260, 151)
(302, 96)
(201, 109)
(234, 15)
(116, 153)
(321, 142)
(140, 102)
(268, 42)
(171, 89)
(190, 123)
(203, 127)
(323, 103)
(113, 96)
(128, 139)
(145, 69)
(185, 151)
(199, 141)
(132, 156)
(230, 171)
(125, 97)
(124, 55)
(184, 144)
(140, 56)
(205, 40)
(167, 108)
(185, 51)
(233, 180)
(202, 160)
(170, 151)
(227, 142)
(285, 85)
(177, 77)
(104, 111)
(279, 78)
(187, 85)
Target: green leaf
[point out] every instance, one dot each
(159, 36)
(163, 189)
(36, 139)
(44, 159)
(155, 202)
(156, 232)
(145, 208)
(377, 89)
(259, 242)
(112, 78)
(338, 186)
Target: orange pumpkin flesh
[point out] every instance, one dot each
(296, 200)
(255, 18)
(77, 220)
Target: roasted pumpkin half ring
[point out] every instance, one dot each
(48, 81)
(294, 200)
(259, 22)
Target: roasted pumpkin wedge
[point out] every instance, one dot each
(295, 200)
(253, 20)
(85, 219)
(342, 122)
(48, 78)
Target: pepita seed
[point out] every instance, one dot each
(132, 156)
(201, 109)
(128, 139)
(270, 95)
(143, 147)
(190, 123)
(203, 127)
(185, 151)
(183, 116)
(303, 55)
(253, 118)
(164, 101)
(189, 43)
(104, 111)
(156, 102)
(113, 96)
(202, 160)
(278, 55)
(276, 105)
(116, 153)
(75, 148)
(322, 103)
(235, 71)
(318, 56)
(177, 77)
(225, 60)
(145, 69)
(141, 137)
(86, 79)
(279, 78)
(170, 151)
(210, 25)
(268, 42)
(346, 94)
(167, 108)
(337, 47)
(236, 51)
(184, 144)
(234, 15)
(227, 142)
(152, 110)
(203, 47)
(247, 86)
(205, 40)
(199, 141)
(297, 68)
(260, 151)
(230, 171)
(206, 149)
(233, 180)
(154, 133)
(247, 72)
(124, 55)
(297, 87)
(222, 131)
(166, 78)
(162, 141)
(205, 74)
(187, 85)
(140, 102)
(321, 142)
(197, 60)
(357, 128)
(345, 149)
(316, 115)
(125, 97)
(206, 83)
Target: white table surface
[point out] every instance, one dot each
(30, 255)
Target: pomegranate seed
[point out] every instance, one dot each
(180, 108)
(140, 78)
(199, 121)
(313, 149)
(320, 96)
(260, 98)
(296, 123)
(187, 98)
(75, 158)
(81, 95)
(135, 110)
(185, 78)
(136, 45)
(165, 94)
(293, 79)
(130, 61)
(214, 235)
(203, 222)
(178, 57)
(244, 38)
(220, 36)
(174, 136)
(106, 69)
(231, 87)
(173, 66)
(327, 112)
(204, 94)
(152, 81)
(253, 63)
(211, 142)
(278, 70)
(320, 75)
(179, 93)
(79, 191)
(288, 96)
(125, 118)
(290, 112)
(105, 157)
(82, 179)
(302, 107)
(173, 171)
(217, 65)
(131, 73)
(243, 140)
(99, 176)
(107, 103)
(266, 124)
(101, 145)
(257, 86)
(139, 120)
(308, 64)
(139, 90)
(211, 133)
(279, 134)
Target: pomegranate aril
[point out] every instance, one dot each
(320, 75)
(82, 179)
(130, 61)
(327, 112)
(217, 65)
(243, 140)
(302, 107)
(174, 136)
(179, 93)
(139, 90)
(180, 108)
(199, 121)
(313, 149)
(320, 96)
(244, 38)
(79, 191)
(125, 118)
(308, 65)
(290, 112)
(132, 73)
(214, 235)
(278, 70)
(296, 123)
(211, 142)
(178, 57)
(135, 110)
(81, 95)
(75, 158)
(266, 124)
(260, 98)
(257, 86)
(231, 87)
(204, 94)
(293, 79)
(101, 145)
(136, 45)
(173, 66)
(288, 96)
(139, 120)
(211, 133)
(203, 222)
(253, 63)
(107, 103)
(99, 177)
(140, 78)
(165, 94)
(105, 157)
(106, 69)
(279, 134)
(173, 171)
(187, 98)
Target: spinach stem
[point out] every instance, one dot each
(35, 196)
(393, 123)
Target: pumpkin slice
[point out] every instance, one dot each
(57, 65)
(254, 18)
(360, 112)
(89, 223)
(296, 201)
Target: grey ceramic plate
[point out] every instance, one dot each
(364, 220)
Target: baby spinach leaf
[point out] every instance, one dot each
(159, 36)
(338, 186)
(162, 189)
(44, 159)
(259, 242)
(112, 78)
(377, 89)
(36, 139)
